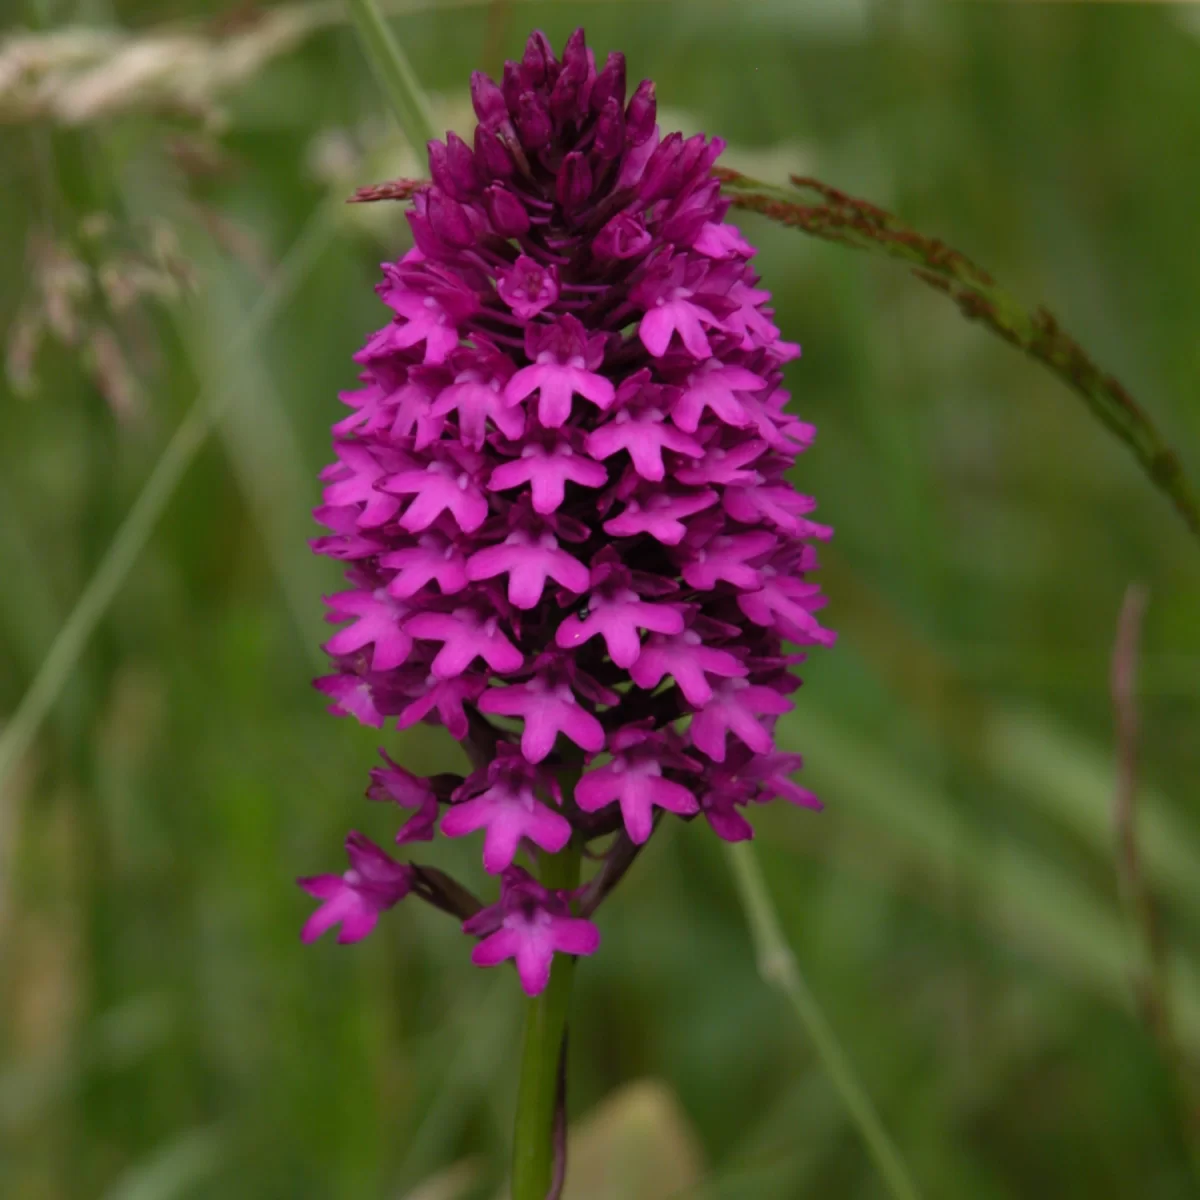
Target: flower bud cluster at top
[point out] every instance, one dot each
(561, 499)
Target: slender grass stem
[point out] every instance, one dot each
(395, 74)
(778, 966)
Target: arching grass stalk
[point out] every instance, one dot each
(837, 217)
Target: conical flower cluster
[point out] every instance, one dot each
(562, 502)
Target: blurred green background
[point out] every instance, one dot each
(164, 1034)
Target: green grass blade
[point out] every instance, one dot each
(778, 966)
(395, 74)
(262, 445)
(1020, 898)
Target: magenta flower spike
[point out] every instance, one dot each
(562, 499)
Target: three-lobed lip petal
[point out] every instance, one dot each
(354, 900)
(529, 924)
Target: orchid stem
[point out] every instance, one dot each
(545, 1032)
(777, 965)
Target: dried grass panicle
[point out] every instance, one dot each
(76, 75)
(87, 292)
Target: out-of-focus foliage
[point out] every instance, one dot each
(162, 1031)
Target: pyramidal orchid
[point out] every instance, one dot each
(562, 501)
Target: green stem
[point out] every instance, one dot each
(394, 73)
(778, 966)
(545, 1034)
